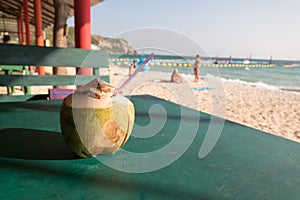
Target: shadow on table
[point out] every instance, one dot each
(49, 106)
(33, 145)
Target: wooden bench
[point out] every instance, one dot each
(9, 70)
(14, 55)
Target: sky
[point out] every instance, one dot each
(237, 28)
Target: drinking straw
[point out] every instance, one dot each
(118, 90)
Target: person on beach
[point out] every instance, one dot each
(131, 67)
(196, 67)
(175, 77)
(6, 39)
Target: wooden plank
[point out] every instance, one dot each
(14, 98)
(12, 67)
(12, 54)
(32, 80)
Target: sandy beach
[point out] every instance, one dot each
(275, 112)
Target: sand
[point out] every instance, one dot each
(272, 111)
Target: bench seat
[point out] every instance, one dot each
(18, 57)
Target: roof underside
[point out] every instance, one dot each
(9, 13)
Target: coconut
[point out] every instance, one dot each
(93, 122)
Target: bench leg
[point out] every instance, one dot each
(10, 89)
(95, 71)
(26, 88)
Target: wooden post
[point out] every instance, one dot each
(38, 29)
(21, 25)
(60, 32)
(27, 28)
(83, 38)
(26, 16)
(19, 30)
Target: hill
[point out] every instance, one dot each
(111, 45)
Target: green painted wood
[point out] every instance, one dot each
(12, 67)
(33, 80)
(12, 54)
(30, 80)
(27, 97)
(246, 163)
(8, 70)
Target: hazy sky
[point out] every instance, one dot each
(240, 28)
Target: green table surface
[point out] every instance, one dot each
(245, 163)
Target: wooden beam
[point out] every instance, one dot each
(51, 56)
(9, 10)
(21, 25)
(83, 36)
(33, 80)
(26, 19)
(39, 38)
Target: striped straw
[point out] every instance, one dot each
(117, 91)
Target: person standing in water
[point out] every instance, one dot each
(196, 67)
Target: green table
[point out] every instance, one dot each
(35, 163)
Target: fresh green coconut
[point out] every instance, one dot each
(93, 122)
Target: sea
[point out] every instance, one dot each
(278, 77)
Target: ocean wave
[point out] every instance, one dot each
(189, 76)
(290, 89)
(253, 84)
(295, 90)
